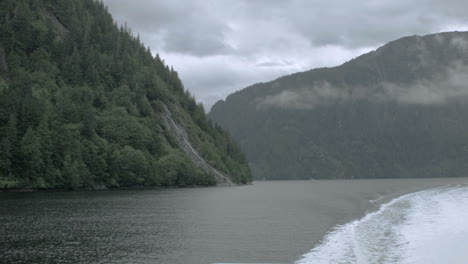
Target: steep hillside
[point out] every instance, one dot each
(399, 111)
(83, 103)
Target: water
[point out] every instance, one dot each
(268, 222)
(424, 227)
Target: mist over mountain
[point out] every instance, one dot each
(398, 111)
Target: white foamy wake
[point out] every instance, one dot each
(425, 227)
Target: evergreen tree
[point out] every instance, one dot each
(31, 155)
(5, 158)
(84, 103)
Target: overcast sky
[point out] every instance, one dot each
(221, 46)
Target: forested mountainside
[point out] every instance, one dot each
(399, 111)
(83, 103)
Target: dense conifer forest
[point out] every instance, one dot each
(82, 104)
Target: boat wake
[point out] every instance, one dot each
(424, 227)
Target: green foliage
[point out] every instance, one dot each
(130, 166)
(31, 155)
(81, 105)
(3, 85)
(179, 171)
(5, 157)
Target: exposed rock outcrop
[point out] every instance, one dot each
(60, 30)
(180, 134)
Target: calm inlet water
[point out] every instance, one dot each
(278, 222)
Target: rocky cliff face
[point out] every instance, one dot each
(181, 135)
(399, 111)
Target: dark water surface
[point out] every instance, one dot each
(265, 222)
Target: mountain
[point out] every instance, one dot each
(397, 112)
(84, 104)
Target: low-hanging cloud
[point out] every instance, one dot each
(306, 98)
(451, 84)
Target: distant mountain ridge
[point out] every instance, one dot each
(398, 111)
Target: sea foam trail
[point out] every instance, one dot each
(424, 227)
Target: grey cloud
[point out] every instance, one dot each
(450, 85)
(202, 28)
(361, 23)
(217, 77)
(186, 27)
(198, 44)
(258, 36)
(276, 63)
(320, 93)
(305, 98)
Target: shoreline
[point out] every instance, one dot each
(101, 188)
(104, 189)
